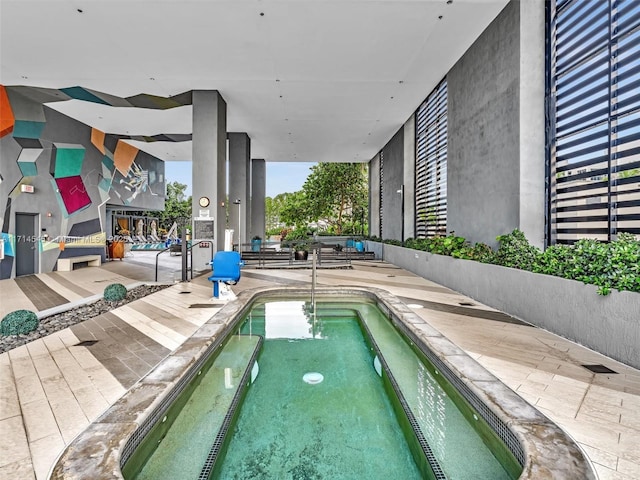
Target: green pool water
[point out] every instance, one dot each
(341, 428)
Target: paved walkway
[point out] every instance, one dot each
(52, 388)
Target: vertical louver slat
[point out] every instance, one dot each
(595, 137)
(431, 164)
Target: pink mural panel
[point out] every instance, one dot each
(73, 193)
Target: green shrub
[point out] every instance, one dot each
(607, 265)
(612, 265)
(115, 292)
(19, 322)
(515, 251)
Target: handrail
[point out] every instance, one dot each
(157, 254)
(189, 248)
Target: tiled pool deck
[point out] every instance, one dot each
(52, 388)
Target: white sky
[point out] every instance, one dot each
(281, 176)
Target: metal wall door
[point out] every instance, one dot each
(26, 244)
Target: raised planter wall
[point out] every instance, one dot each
(608, 324)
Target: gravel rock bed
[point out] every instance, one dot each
(60, 321)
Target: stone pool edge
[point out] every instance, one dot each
(549, 451)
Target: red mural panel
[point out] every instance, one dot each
(73, 193)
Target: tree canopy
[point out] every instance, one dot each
(334, 194)
(176, 205)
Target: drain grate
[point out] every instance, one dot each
(182, 293)
(86, 343)
(599, 369)
(203, 305)
(467, 304)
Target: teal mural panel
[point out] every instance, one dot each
(9, 250)
(28, 129)
(81, 94)
(28, 169)
(108, 163)
(104, 185)
(68, 162)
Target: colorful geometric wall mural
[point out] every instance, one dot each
(66, 172)
(66, 167)
(6, 113)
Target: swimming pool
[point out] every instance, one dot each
(494, 412)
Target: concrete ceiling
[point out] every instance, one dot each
(308, 80)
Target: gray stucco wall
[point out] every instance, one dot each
(393, 178)
(483, 170)
(409, 177)
(374, 200)
(571, 309)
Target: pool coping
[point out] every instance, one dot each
(550, 453)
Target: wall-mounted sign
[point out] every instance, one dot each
(205, 214)
(203, 229)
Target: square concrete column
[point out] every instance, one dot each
(209, 172)
(239, 186)
(258, 190)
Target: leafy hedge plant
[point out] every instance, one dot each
(115, 292)
(19, 322)
(612, 265)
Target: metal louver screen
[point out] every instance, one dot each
(380, 192)
(595, 119)
(431, 164)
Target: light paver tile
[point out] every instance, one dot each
(19, 352)
(44, 452)
(9, 403)
(67, 337)
(36, 348)
(594, 410)
(106, 383)
(531, 388)
(13, 298)
(542, 377)
(602, 457)
(26, 380)
(20, 470)
(632, 419)
(46, 367)
(597, 436)
(91, 401)
(13, 441)
(561, 408)
(629, 468)
(84, 357)
(148, 329)
(54, 343)
(73, 373)
(605, 473)
(39, 420)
